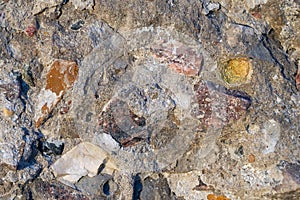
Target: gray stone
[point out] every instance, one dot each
(94, 185)
(156, 188)
(164, 93)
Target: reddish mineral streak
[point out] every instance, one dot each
(31, 30)
(230, 102)
(236, 107)
(203, 99)
(257, 15)
(184, 60)
(65, 108)
(131, 141)
(297, 78)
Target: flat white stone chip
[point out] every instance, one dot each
(82, 160)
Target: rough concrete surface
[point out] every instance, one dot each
(149, 99)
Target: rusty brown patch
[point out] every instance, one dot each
(61, 76)
(298, 80)
(45, 109)
(251, 158)
(39, 122)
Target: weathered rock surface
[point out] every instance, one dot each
(191, 99)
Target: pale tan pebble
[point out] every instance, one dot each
(7, 112)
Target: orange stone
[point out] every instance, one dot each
(222, 198)
(215, 197)
(251, 158)
(60, 77)
(211, 197)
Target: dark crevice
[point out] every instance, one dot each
(269, 47)
(137, 187)
(106, 188)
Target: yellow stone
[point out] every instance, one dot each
(237, 71)
(7, 112)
